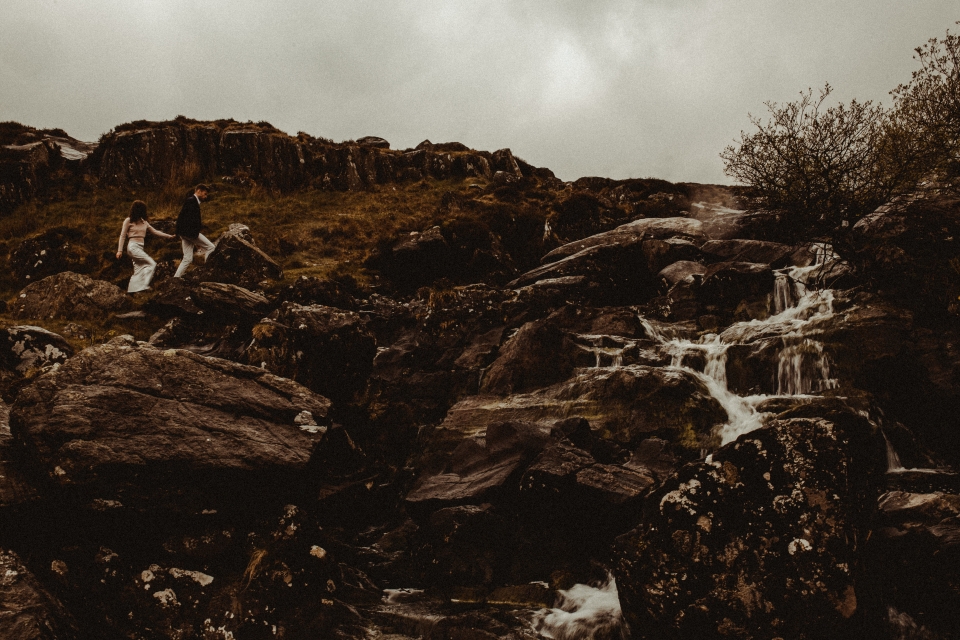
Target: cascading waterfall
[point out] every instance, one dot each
(604, 352)
(803, 368)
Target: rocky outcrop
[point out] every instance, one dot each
(238, 260)
(136, 423)
(625, 404)
(36, 162)
(325, 349)
(905, 246)
(915, 555)
(152, 154)
(645, 228)
(49, 253)
(70, 295)
(760, 542)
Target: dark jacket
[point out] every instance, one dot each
(188, 222)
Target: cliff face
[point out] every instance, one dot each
(153, 154)
(33, 162)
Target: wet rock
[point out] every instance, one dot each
(760, 542)
(325, 349)
(437, 357)
(70, 296)
(726, 284)
(625, 405)
(138, 423)
(30, 612)
(609, 273)
(238, 260)
(50, 252)
(646, 228)
(915, 554)
(569, 478)
(662, 253)
(546, 351)
(477, 469)
(736, 250)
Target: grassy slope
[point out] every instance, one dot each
(310, 232)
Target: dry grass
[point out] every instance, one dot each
(308, 232)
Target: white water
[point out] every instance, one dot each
(803, 369)
(584, 612)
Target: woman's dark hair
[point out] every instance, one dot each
(138, 211)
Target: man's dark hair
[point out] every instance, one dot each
(138, 211)
(202, 187)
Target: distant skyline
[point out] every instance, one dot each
(614, 88)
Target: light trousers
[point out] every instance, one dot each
(143, 267)
(189, 244)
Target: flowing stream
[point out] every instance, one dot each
(803, 370)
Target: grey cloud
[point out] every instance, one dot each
(616, 87)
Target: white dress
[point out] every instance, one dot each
(143, 265)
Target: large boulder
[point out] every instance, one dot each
(126, 421)
(52, 251)
(905, 248)
(726, 284)
(645, 228)
(415, 260)
(72, 296)
(608, 273)
(623, 404)
(762, 541)
(546, 351)
(15, 487)
(325, 349)
(477, 469)
(229, 301)
(238, 260)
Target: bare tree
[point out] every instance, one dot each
(929, 105)
(824, 166)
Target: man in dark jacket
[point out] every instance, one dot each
(188, 228)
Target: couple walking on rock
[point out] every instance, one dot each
(135, 229)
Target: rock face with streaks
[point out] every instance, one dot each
(126, 421)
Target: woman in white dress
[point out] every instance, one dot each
(134, 232)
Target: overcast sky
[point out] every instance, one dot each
(617, 88)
